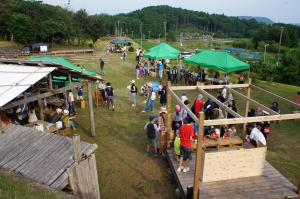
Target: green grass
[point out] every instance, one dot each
(15, 187)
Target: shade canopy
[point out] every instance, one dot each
(162, 51)
(63, 62)
(220, 61)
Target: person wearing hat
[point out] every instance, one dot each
(133, 92)
(151, 96)
(109, 95)
(162, 123)
(67, 122)
(198, 105)
(183, 97)
(151, 128)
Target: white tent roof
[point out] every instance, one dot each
(15, 79)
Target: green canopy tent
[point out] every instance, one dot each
(63, 62)
(162, 51)
(220, 61)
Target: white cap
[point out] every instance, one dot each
(132, 81)
(66, 112)
(58, 110)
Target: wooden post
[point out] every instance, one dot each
(298, 188)
(50, 82)
(247, 103)
(91, 110)
(70, 78)
(199, 156)
(169, 118)
(76, 148)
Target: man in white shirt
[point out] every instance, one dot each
(256, 137)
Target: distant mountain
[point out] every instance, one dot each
(258, 19)
(296, 24)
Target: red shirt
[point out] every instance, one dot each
(297, 99)
(198, 106)
(186, 132)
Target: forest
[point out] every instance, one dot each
(33, 21)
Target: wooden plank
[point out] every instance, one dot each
(253, 101)
(226, 108)
(91, 110)
(41, 96)
(93, 169)
(169, 116)
(199, 155)
(207, 87)
(269, 118)
(76, 148)
(275, 95)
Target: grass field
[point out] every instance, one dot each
(123, 169)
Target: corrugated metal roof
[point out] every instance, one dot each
(15, 79)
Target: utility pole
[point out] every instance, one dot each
(141, 30)
(266, 45)
(118, 28)
(281, 32)
(149, 33)
(165, 24)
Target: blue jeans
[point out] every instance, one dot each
(133, 98)
(149, 105)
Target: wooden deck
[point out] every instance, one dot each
(41, 157)
(271, 185)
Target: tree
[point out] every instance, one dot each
(22, 28)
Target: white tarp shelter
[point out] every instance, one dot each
(15, 79)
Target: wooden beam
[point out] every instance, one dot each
(298, 188)
(50, 82)
(208, 87)
(226, 108)
(247, 103)
(41, 96)
(91, 110)
(253, 101)
(76, 148)
(269, 118)
(199, 156)
(169, 116)
(275, 95)
(190, 113)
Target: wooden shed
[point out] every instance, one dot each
(49, 159)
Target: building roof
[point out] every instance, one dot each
(15, 79)
(41, 157)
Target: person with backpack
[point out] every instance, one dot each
(151, 128)
(151, 96)
(133, 91)
(109, 95)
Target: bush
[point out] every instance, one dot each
(131, 49)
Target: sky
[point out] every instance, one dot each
(286, 11)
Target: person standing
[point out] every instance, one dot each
(198, 105)
(186, 134)
(109, 95)
(151, 96)
(163, 96)
(151, 129)
(101, 87)
(101, 66)
(137, 70)
(174, 75)
(133, 91)
(71, 102)
(161, 69)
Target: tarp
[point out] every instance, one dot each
(63, 62)
(220, 61)
(121, 42)
(162, 51)
(15, 79)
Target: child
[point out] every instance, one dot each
(177, 146)
(151, 129)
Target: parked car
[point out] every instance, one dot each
(25, 51)
(184, 55)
